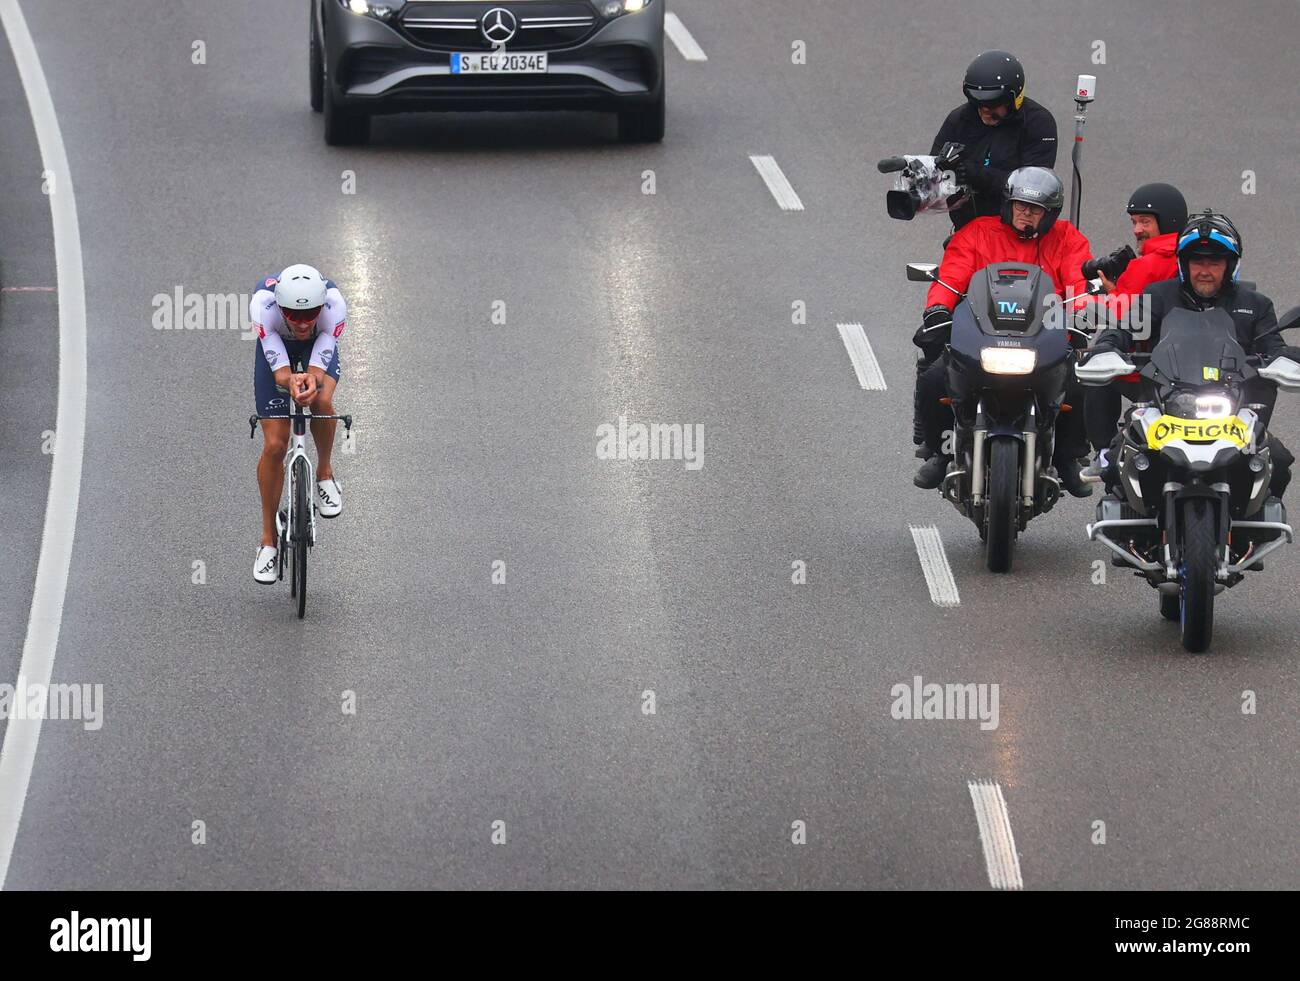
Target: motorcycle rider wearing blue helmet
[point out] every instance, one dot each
(1209, 269)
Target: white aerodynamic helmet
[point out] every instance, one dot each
(300, 287)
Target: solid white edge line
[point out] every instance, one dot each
(870, 377)
(934, 563)
(996, 838)
(681, 37)
(18, 754)
(776, 181)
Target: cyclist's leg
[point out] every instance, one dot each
(270, 401)
(322, 432)
(270, 473)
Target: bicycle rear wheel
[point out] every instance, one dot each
(300, 534)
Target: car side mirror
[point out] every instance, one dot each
(1283, 372)
(922, 272)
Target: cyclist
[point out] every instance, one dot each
(299, 316)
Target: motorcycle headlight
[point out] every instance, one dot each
(1200, 405)
(1213, 406)
(1008, 360)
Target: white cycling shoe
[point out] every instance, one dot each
(265, 567)
(329, 499)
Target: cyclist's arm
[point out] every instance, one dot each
(327, 340)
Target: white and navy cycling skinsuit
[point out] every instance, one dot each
(277, 345)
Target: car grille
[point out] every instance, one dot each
(541, 26)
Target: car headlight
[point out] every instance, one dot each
(617, 8)
(1008, 360)
(366, 9)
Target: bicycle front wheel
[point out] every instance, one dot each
(301, 533)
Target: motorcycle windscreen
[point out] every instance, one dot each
(1198, 348)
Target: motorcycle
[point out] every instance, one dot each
(1009, 359)
(1192, 512)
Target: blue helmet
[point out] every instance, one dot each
(1208, 234)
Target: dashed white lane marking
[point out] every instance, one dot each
(995, 834)
(27, 289)
(680, 36)
(776, 182)
(19, 751)
(863, 358)
(934, 563)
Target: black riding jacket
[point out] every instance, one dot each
(1025, 139)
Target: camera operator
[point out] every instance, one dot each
(998, 130)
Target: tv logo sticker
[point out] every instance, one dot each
(1009, 306)
(103, 934)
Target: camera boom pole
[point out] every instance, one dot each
(1084, 93)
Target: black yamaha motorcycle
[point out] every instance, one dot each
(1010, 357)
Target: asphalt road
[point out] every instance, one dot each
(523, 702)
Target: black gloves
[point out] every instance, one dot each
(1288, 352)
(935, 331)
(950, 155)
(974, 175)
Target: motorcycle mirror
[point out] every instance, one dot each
(922, 272)
(1101, 369)
(1289, 319)
(1284, 372)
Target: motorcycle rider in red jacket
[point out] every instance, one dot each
(1158, 213)
(1029, 231)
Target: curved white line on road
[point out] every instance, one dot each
(999, 843)
(21, 735)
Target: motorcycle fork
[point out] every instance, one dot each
(1171, 530)
(978, 436)
(1029, 462)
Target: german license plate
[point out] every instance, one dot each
(499, 63)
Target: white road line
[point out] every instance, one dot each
(28, 289)
(995, 834)
(680, 36)
(776, 183)
(21, 735)
(934, 563)
(863, 358)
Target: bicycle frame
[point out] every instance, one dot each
(298, 448)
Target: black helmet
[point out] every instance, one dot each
(1034, 185)
(1162, 200)
(1209, 234)
(994, 78)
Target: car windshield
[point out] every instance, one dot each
(1197, 349)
